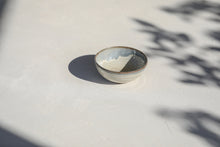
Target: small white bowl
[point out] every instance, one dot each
(120, 64)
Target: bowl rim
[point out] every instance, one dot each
(125, 47)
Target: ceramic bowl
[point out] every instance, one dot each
(120, 64)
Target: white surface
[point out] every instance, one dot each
(41, 101)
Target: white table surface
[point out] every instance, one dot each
(51, 94)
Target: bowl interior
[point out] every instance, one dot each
(119, 59)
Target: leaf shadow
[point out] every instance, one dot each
(195, 122)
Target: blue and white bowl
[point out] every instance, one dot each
(120, 64)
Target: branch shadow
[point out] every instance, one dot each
(177, 54)
(196, 123)
(191, 8)
(84, 68)
(9, 139)
(215, 35)
(160, 35)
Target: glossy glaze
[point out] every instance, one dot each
(120, 64)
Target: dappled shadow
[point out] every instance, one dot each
(176, 52)
(188, 9)
(84, 68)
(197, 123)
(159, 36)
(207, 74)
(9, 139)
(217, 20)
(216, 36)
(181, 59)
(213, 48)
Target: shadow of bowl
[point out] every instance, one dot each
(84, 68)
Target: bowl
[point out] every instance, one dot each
(120, 64)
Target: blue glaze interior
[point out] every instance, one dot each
(114, 53)
(136, 61)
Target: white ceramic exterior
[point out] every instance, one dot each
(119, 77)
